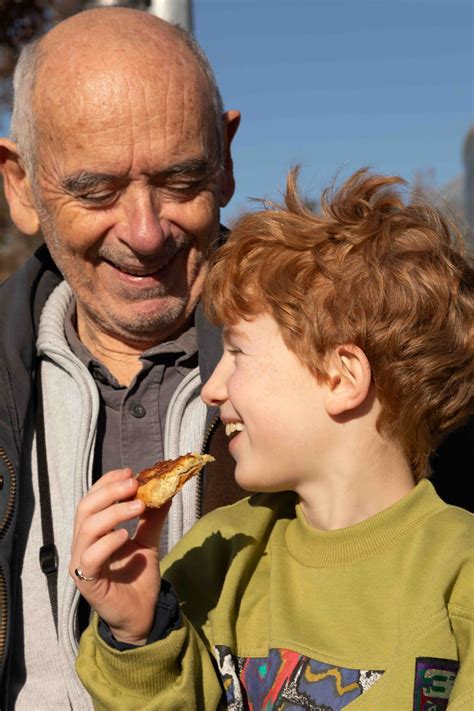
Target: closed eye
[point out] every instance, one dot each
(186, 180)
(233, 350)
(95, 189)
(185, 191)
(105, 199)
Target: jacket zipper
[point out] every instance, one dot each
(4, 525)
(212, 426)
(3, 615)
(207, 436)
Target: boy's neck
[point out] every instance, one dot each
(359, 482)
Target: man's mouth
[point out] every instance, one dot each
(141, 267)
(140, 270)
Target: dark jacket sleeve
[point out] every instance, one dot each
(452, 466)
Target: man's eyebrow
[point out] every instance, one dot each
(199, 166)
(87, 181)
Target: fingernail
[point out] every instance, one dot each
(127, 484)
(135, 505)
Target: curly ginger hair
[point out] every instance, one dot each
(370, 269)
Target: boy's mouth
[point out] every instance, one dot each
(233, 428)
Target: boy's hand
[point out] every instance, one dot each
(126, 574)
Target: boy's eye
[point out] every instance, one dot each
(233, 350)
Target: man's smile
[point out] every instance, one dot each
(144, 267)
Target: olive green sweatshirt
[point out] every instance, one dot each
(279, 615)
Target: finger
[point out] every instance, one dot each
(93, 559)
(114, 592)
(118, 489)
(150, 526)
(111, 476)
(103, 522)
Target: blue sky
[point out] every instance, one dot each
(337, 84)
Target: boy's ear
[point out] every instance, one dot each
(350, 379)
(231, 120)
(17, 188)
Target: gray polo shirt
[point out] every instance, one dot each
(132, 419)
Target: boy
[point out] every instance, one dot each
(348, 352)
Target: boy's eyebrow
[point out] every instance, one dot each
(233, 332)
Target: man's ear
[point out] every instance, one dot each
(350, 379)
(231, 121)
(17, 187)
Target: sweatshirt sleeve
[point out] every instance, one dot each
(167, 618)
(179, 671)
(461, 613)
(175, 673)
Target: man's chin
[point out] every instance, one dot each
(145, 328)
(142, 324)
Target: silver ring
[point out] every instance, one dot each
(79, 574)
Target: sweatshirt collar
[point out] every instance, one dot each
(327, 549)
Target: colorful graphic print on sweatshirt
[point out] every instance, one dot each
(434, 680)
(288, 680)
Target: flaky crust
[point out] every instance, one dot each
(164, 479)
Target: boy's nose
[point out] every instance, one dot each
(214, 392)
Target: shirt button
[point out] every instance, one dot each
(137, 409)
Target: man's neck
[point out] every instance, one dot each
(122, 360)
(119, 356)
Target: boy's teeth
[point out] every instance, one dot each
(232, 427)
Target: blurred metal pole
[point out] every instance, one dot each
(178, 12)
(135, 4)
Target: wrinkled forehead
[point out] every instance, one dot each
(123, 96)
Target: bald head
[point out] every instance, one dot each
(111, 24)
(83, 59)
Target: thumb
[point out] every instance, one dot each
(151, 525)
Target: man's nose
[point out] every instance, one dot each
(144, 228)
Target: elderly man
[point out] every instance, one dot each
(120, 153)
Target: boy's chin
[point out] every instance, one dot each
(254, 483)
(247, 481)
